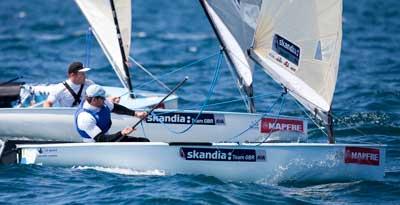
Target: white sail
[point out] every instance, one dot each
(234, 23)
(298, 44)
(100, 17)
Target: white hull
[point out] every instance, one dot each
(57, 124)
(269, 162)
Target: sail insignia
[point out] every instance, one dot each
(286, 49)
(318, 52)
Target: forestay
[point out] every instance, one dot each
(99, 14)
(298, 43)
(234, 23)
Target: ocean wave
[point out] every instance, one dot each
(123, 171)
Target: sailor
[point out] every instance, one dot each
(70, 92)
(93, 117)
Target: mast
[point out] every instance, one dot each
(121, 46)
(247, 89)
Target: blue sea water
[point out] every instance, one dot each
(38, 39)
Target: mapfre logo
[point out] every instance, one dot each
(361, 155)
(273, 124)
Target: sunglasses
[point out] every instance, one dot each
(100, 97)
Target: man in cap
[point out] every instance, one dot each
(93, 118)
(70, 92)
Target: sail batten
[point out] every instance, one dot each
(298, 44)
(116, 46)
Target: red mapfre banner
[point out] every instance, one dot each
(272, 124)
(360, 155)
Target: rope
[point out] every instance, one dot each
(180, 68)
(256, 122)
(244, 96)
(276, 119)
(174, 71)
(88, 46)
(232, 101)
(305, 112)
(209, 94)
(150, 74)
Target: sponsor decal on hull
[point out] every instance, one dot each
(47, 152)
(361, 155)
(270, 124)
(216, 154)
(186, 118)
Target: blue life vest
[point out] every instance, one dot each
(103, 119)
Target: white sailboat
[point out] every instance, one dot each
(111, 24)
(298, 44)
(99, 14)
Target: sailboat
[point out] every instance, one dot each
(59, 121)
(110, 23)
(298, 44)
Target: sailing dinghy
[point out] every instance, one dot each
(298, 44)
(111, 24)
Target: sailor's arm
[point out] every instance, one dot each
(51, 99)
(113, 137)
(119, 109)
(54, 95)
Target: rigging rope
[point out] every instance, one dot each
(277, 118)
(172, 72)
(150, 74)
(232, 101)
(88, 46)
(204, 105)
(180, 68)
(311, 118)
(262, 116)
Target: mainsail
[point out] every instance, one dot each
(234, 23)
(298, 42)
(111, 25)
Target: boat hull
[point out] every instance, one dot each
(57, 124)
(228, 161)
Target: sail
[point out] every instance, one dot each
(234, 23)
(99, 14)
(298, 42)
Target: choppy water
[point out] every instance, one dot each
(39, 38)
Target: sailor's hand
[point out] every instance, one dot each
(114, 99)
(127, 131)
(140, 115)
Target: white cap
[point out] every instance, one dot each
(95, 91)
(84, 69)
